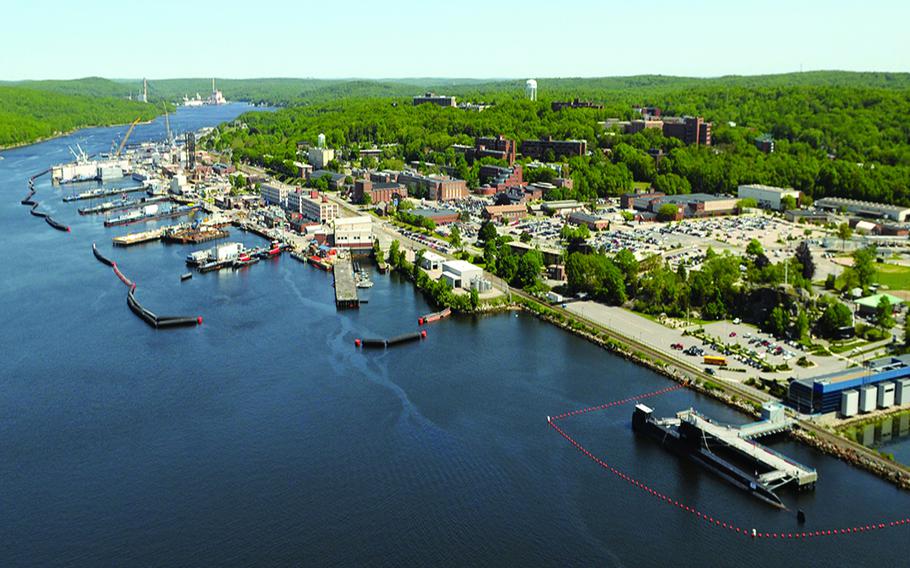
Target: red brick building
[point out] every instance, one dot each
(380, 192)
(504, 212)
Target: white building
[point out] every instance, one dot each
(178, 184)
(461, 274)
(767, 196)
(431, 261)
(274, 195)
(354, 232)
(320, 157)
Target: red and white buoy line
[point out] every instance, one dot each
(718, 523)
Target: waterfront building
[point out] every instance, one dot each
(827, 393)
(767, 196)
(354, 232)
(461, 274)
(431, 261)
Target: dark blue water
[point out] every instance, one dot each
(264, 438)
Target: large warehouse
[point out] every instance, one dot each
(883, 383)
(767, 196)
(864, 208)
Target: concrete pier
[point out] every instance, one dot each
(345, 287)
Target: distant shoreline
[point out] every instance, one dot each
(67, 133)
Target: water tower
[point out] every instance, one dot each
(531, 89)
(320, 141)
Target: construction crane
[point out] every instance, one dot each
(127, 137)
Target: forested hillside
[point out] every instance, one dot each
(831, 139)
(27, 115)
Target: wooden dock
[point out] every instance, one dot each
(345, 287)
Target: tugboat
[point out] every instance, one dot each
(363, 279)
(246, 258)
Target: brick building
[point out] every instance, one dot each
(500, 179)
(559, 105)
(540, 149)
(505, 212)
(437, 188)
(689, 129)
(379, 192)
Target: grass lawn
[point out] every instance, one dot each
(639, 185)
(894, 276)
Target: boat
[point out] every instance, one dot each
(435, 316)
(321, 263)
(186, 276)
(363, 279)
(246, 258)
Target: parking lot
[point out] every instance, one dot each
(664, 338)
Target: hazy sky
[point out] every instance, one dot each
(456, 38)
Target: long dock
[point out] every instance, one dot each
(782, 470)
(100, 193)
(729, 451)
(345, 287)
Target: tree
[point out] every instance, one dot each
(525, 237)
(455, 238)
(804, 257)
(788, 202)
(830, 282)
(778, 321)
(801, 326)
(667, 212)
(367, 199)
(746, 203)
(394, 254)
(864, 265)
(844, 232)
(884, 314)
(835, 317)
(487, 232)
(528, 271)
(754, 248)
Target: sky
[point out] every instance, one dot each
(65, 39)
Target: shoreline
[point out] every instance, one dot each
(831, 444)
(828, 443)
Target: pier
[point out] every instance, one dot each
(99, 193)
(137, 238)
(345, 287)
(730, 451)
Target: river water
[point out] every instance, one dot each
(263, 437)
